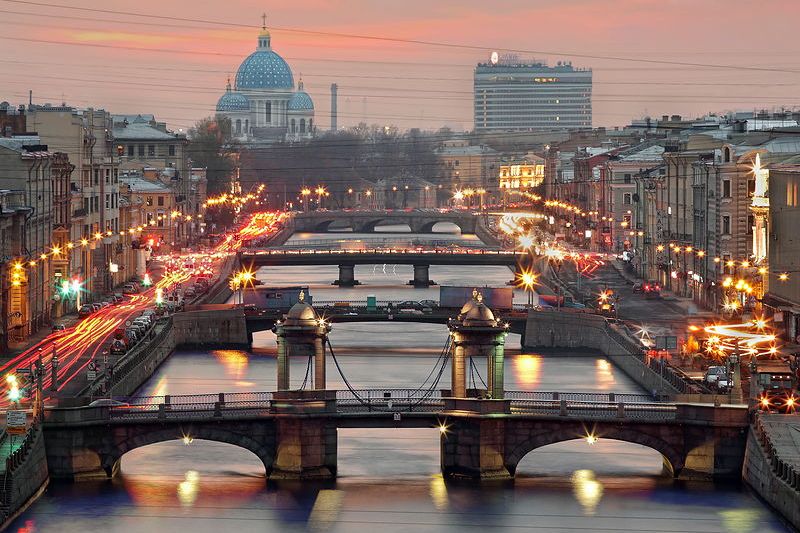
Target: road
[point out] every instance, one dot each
(86, 341)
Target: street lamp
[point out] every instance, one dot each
(527, 280)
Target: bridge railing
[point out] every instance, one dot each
(385, 243)
(784, 470)
(655, 412)
(386, 251)
(193, 406)
(601, 397)
(389, 400)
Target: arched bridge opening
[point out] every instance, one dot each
(259, 440)
(524, 441)
(446, 227)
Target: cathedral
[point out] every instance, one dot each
(264, 105)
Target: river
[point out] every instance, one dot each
(389, 480)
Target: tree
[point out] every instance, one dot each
(211, 146)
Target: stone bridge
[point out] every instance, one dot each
(421, 259)
(418, 220)
(294, 433)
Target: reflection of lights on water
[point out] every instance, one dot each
(588, 491)
(438, 491)
(326, 509)
(528, 369)
(234, 361)
(740, 520)
(604, 374)
(591, 439)
(187, 439)
(187, 489)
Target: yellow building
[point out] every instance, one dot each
(524, 175)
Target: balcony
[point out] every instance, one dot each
(79, 213)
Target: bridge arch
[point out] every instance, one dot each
(428, 226)
(368, 226)
(324, 226)
(673, 459)
(137, 437)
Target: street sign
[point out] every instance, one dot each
(128, 323)
(397, 417)
(16, 422)
(667, 342)
(91, 375)
(23, 371)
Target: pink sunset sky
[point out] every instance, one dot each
(177, 69)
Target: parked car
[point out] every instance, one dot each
(129, 288)
(59, 328)
(132, 336)
(85, 310)
(96, 306)
(714, 374)
(189, 293)
(433, 304)
(638, 287)
(118, 347)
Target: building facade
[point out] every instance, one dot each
(26, 167)
(513, 96)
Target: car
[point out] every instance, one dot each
(433, 304)
(59, 328)
(638, 287)
(409, 305)
(85, 310)
(189, 293)
(108, 402)
(143, 321)
(131, 335)
(118, 347)
(96, 306)
(651, 289)
(105, 304)
(128, 288)
(714, 374)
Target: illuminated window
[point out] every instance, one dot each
(791, 193)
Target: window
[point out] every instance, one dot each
(97, 176)
(751, 221)
(726, 224)
(149, 201)
(160, 219)
(725, 259)
(141, 150)
(294, 126)
(726, 188)
(108, 201)
(96, 204)
(302, 125)
(268, 112)
(86, 206)
(791, 193)
(108, 176)
(626, 178)
(151, 150)
(727, 155)
(116, 175)
(310, 125)
(172, 150)
(751, 188)
(160, 201)
(131, 150)
(626, 198)
(247, 125)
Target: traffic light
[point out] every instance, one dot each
(146, 281)
(14, 393)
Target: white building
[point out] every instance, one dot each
(264, 105)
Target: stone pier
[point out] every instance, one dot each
(347, 276)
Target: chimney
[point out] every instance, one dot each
(665, 118)
(334, 113)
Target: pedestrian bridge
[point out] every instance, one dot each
(418, 220)
(294, 433)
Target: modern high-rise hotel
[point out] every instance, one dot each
(511, 95)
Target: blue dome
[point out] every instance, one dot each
(231, 101)
(264, 69)
(300, 101)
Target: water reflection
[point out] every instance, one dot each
(325, 512)
(234, 362)
(438, 492)
(588, 490)
(604, 373)
(527, 370)
(187, 489)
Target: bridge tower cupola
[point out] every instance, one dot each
(476, 333)
(302, 333)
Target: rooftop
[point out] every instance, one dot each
(141, 131)
(139, 184)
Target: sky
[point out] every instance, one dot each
(649, 57)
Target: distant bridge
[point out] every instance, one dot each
(418, 220)
(420, 258)
(294, 433)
